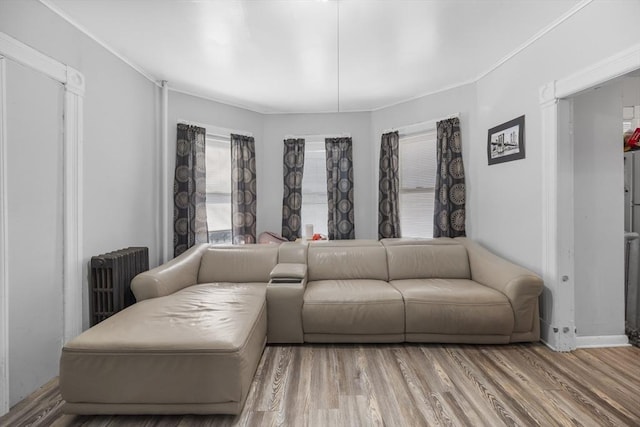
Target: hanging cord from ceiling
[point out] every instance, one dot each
(338, 53)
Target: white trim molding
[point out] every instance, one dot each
(166, 178)
(73, 82)
(86, 32)
(73, 265)
(602, 341)
(558, 305)
(4, 253)
(568, 14)
(14, 49)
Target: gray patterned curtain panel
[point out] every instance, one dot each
(293, 167)
(449, 208)
(243, 189)
(340, 221)
(389, 187)
(189, 190)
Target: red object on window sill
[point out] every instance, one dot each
(634, 140)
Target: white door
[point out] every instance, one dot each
(35, 232)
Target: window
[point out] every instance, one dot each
(418, 168)
(314, 186)
(218, 151)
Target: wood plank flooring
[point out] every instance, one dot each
(408, 385)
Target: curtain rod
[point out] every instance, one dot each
(215, 130)
(426, 124)
(318, 136)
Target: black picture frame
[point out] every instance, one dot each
(506, 142)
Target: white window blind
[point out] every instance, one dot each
(314, 186)
(418, 168)
(218, 152)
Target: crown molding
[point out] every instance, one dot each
(537, 36)
(55, 9)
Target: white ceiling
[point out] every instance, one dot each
(311, 55)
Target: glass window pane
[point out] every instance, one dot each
(416, 213)
(314, 186)
(418, 167)
(218, 153)
(218, 166)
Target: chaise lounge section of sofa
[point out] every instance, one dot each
(193, 341)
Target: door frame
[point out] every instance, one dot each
(558, 323)
(73, 83)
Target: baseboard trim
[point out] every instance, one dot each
(551, 337)
(597, 341)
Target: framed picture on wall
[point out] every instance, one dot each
(506, 141)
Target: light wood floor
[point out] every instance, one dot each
(408, 385)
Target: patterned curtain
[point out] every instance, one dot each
(293, 168)
(449, 210)
(243, 189)
(189, 190)
(340, 221)
(389, 187)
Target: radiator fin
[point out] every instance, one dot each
(110, 285)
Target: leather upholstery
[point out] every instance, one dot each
(353, 307)
(428, 261)
(289, 271)
(292, 252)
(454, 307)
(198, 346)
(347, 262)
(194, 348)
(404, 241)
(284, 311)
(520, 285)
(170, 277)
(243, 263)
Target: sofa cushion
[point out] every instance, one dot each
(446, 261)
(347, 262)
(352, 307)
(404, 241)
(454, 307)
(199, 347)
(244, 263)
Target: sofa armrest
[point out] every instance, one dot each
(292, 272)
(521, 286)
(170, 277)
(285, 295)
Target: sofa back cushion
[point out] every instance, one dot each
(428, 261)
(347, 262)
(238, 264)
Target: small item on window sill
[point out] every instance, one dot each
(318, 236)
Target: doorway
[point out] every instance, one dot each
(61, 194)
(558, 310)
(34, 226)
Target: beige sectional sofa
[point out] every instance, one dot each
(192, 342)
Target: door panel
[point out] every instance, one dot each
(35, 232)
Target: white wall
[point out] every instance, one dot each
(34, 178)
(631, 91)
(460, 100)
(121, 160)
(506, 201)
(598, 212)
